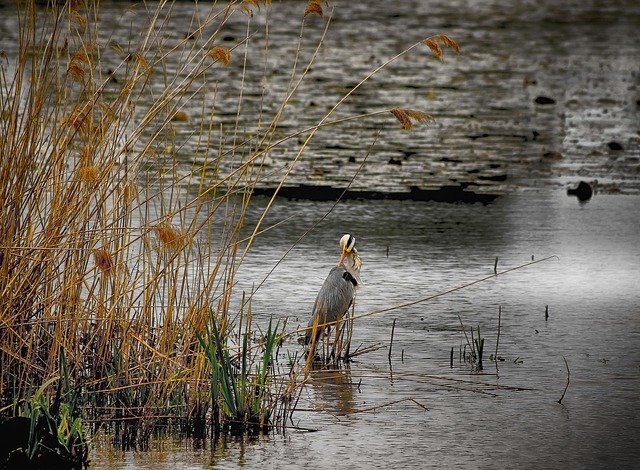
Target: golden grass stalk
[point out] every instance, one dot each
(128, 328)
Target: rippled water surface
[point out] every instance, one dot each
(507, 419)
(491, 133)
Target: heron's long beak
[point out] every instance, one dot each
(344, 253)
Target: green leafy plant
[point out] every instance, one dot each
(49, 433)
(240, 384)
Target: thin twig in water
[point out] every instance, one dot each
(395, 402)
(465, 333)
(498, 338)
(359, 351)
(453, 289)
(568, 378)
(393, 329)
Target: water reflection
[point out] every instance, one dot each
(332, 390)
(235, 446)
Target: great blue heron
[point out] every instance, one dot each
(339, 289)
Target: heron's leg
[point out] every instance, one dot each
(337, 344)
(328, 342)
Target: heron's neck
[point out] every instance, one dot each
(352, 264)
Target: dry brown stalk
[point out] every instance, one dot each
(384, 405)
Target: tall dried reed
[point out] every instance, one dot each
(115, 254)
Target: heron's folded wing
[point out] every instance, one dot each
(334, 298)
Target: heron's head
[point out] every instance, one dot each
(347, 244)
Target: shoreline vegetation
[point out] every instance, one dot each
(118, 261)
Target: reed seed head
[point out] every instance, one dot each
(76, 67)
(169, 236)
(402, 117)
(435, 48)
(220, 54)
(253, 3)
(407, 116)
(449, 42)
(419, 116)
(117, 48)
(80, 21)
(142, 62)
(248, 5)
(313, 8)
(76, 71)
(103, 261)
(88, 174)
(180, 116)
(77, 119)
(80, 56)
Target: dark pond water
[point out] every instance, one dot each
(545, 93)
(491, 135)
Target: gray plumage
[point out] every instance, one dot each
(338, 291)
(333, 300)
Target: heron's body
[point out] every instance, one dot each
(337, 291)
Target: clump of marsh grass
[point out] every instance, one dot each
(240, 390)
(47, 432)
(124, 224)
